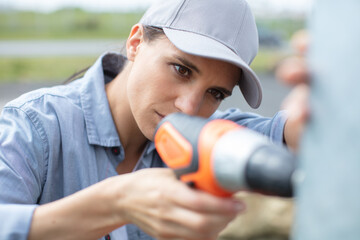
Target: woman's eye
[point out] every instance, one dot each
(183, 71)
(218, 95)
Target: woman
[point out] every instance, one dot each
(69, 155)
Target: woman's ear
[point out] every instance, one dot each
(134, 41)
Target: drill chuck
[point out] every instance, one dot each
(246, 160)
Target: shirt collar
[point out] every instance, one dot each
(100, 126)
(150, 148)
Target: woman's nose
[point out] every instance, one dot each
(189, 103)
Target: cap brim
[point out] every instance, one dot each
(200, 45)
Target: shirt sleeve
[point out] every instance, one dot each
(271, 127)
(22, 171)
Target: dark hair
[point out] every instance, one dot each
(151, 33)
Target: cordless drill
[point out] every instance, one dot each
(222, 157)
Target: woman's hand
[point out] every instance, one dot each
(293, 71)
(153, 199)
(166, 208)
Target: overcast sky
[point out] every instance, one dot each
(124, 5)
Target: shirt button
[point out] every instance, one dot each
(107, 237)
(115, 151)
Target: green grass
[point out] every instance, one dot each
(66, 24)
(41, 69)
(266, 60)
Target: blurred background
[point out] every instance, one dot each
(42, 43)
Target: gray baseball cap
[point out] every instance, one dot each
(218, 29)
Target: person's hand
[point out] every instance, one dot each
(167, 208)
(293, 71)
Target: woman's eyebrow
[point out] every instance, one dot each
(187, 63)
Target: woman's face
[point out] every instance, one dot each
(164, 80)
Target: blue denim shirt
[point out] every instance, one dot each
(57, 141)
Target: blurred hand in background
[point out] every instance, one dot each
(293, 71)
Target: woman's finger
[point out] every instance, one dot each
(293, 71)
